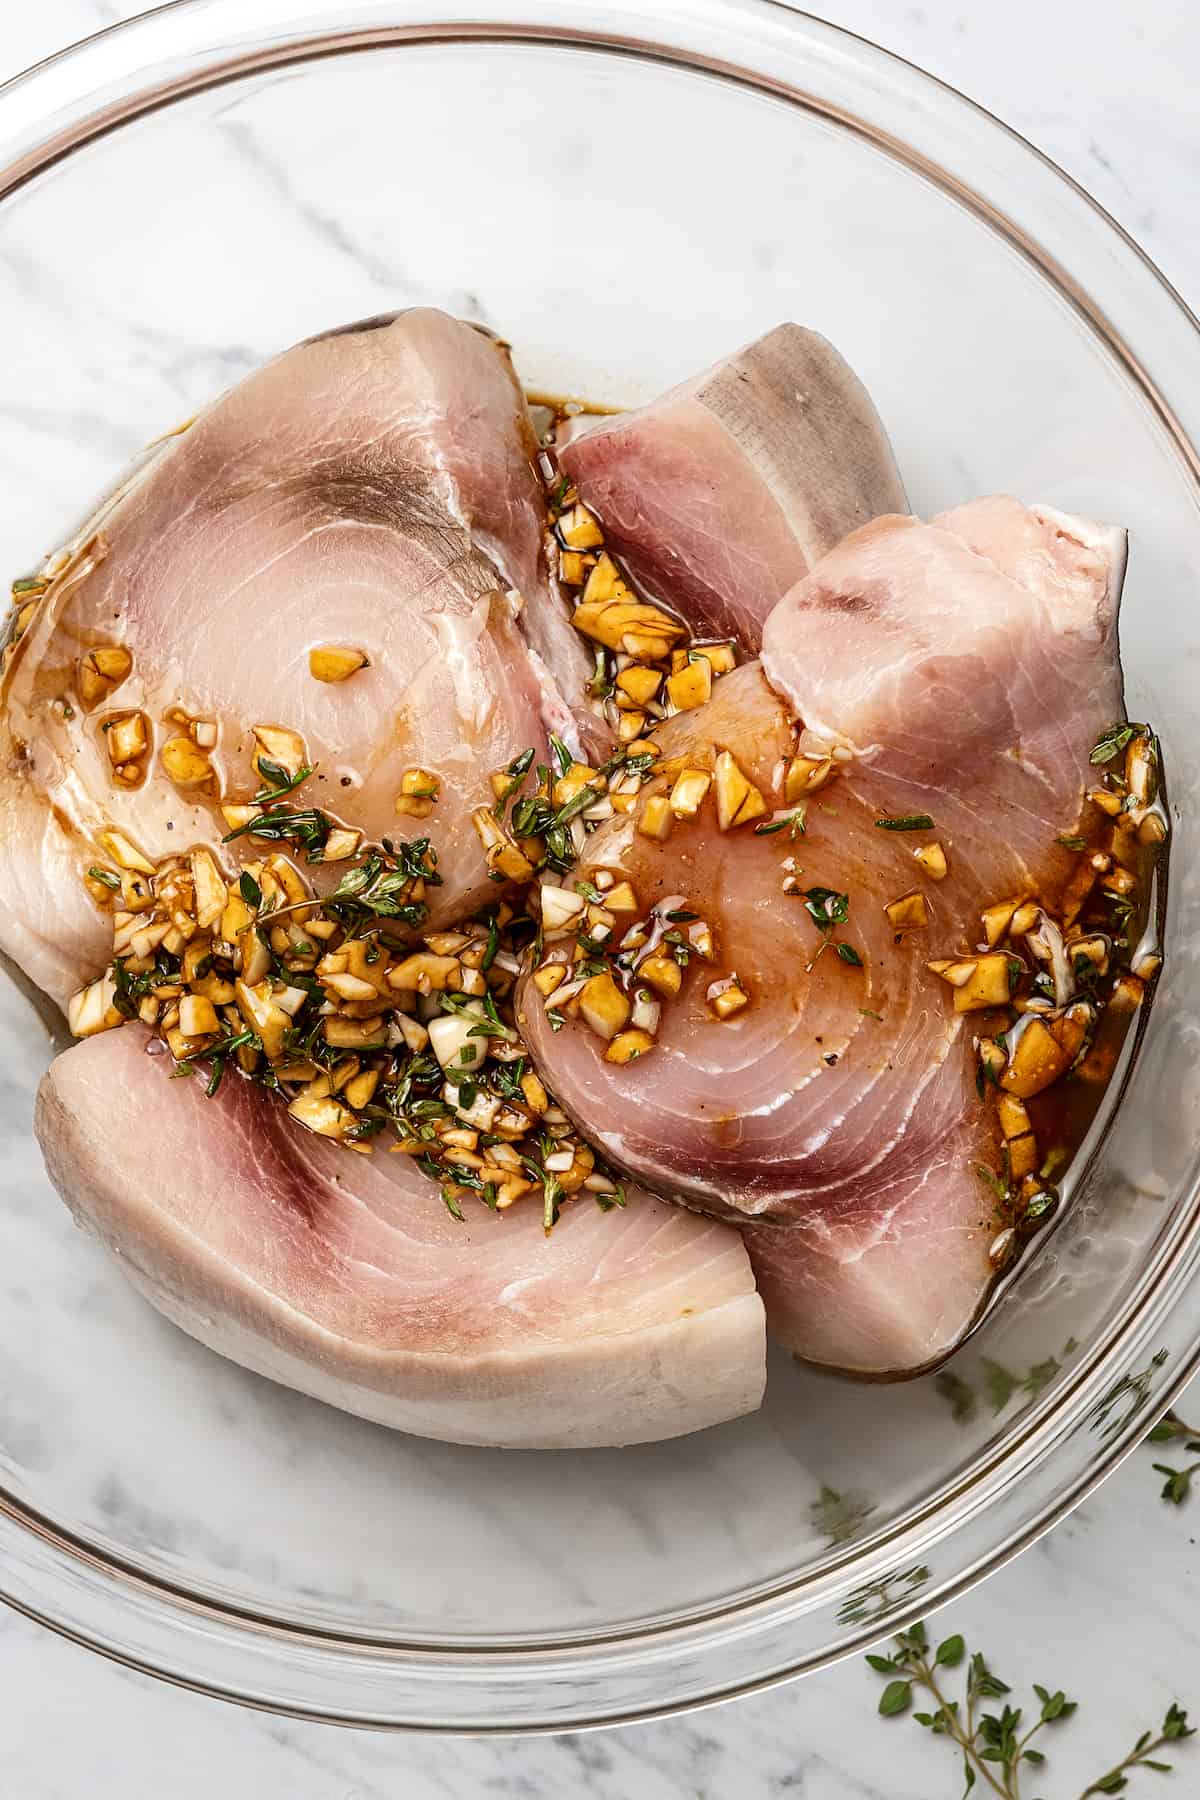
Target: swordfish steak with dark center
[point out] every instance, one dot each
(964, 670)
(371, 490)
(725, 491)
(346, 1277)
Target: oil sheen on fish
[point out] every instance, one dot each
(373, 491)
(961, 670)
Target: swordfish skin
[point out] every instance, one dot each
(345, 1277)
(836, 1117)
(724, 492)
(370, 489)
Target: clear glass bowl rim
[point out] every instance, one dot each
(1008, 1497)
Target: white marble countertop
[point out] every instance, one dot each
(1106, 1605)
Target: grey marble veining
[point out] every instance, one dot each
(1105, 1605)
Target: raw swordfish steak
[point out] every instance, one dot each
(341, 564)
(346, 1277)
(811, 1077)
(811, 916)
(724, 492)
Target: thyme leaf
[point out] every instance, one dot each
(999, 1187)
(516, 771)
(827, 907)
(277, 781)
(791, 822)
(378, 888)
(1113, 741)
(310, 828)
(562, 755)
(904, 822)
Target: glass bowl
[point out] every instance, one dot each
(625, 199)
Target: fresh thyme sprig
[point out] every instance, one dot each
(219, 1053)
(277, 781)
(995, 1746)
(1171, 1429)
(309, 828)
(829, 909)
(377, 887)
(1113, 741)
(537, 815)
(131, 989)
(792, 822)
(1174, 1727)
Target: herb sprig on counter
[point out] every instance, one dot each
(997, 1747)
(1171, 1429)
